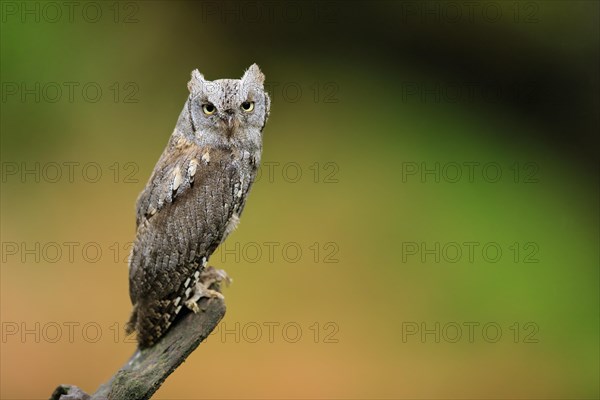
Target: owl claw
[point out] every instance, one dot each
(209, 277)
(200, 292)
(192, 305)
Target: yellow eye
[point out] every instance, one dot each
(209, 109)
(248, 106)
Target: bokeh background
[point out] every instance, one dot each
(348, 280)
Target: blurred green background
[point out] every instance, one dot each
(370, 262)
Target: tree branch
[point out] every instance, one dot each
(146, 370)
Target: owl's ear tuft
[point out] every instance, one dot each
(253, 76)
(195, 84)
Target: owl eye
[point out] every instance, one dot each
(208, 109)
(248, 106)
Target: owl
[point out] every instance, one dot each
(194, 199)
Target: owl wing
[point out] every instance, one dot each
(173, 175)
(182, 216)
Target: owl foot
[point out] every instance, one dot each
(200, 291)
(209, 277)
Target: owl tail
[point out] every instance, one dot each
(151, 321)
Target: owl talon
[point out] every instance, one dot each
(209, 276)
(192, 305)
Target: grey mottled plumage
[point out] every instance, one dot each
(194, 197)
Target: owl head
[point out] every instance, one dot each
(228, 110)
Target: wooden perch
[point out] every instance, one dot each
(146, 370)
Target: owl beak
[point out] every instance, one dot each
(228, 118)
